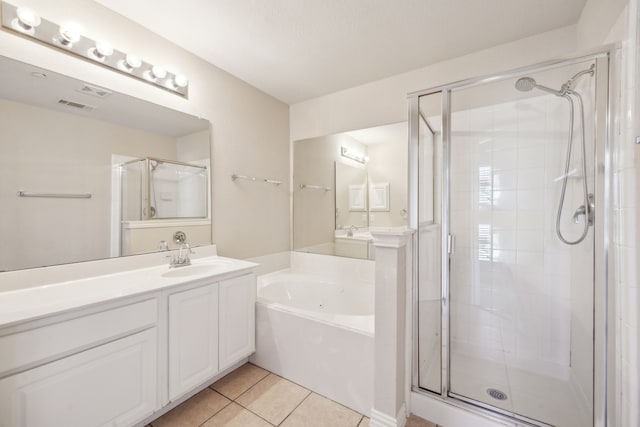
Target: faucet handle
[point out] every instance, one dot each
(187, 247)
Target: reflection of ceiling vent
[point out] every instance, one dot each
(94, 91)
(76, 105)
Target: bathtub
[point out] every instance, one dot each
(316, 328)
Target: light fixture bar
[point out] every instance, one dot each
(345, 152)
(27, 23)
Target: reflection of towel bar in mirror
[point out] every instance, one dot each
(253, 178)
(314, 187)
(55, 195)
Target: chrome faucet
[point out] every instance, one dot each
(351, 230)
(181, 259)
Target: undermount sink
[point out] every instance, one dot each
(214, 262)
(192, 270)
(199, 267)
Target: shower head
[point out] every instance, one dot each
(525, 84)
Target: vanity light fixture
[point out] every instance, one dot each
(345, 152)
(69, 38)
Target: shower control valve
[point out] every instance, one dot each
(588, 211)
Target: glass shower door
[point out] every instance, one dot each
(521, 300)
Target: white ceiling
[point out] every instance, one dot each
(300, 49)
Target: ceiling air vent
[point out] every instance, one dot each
(76, 105)
(94, 91)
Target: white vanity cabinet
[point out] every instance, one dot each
(193, 338)
(138, 345)
(91, 368)
(211, 327)
(237, 319)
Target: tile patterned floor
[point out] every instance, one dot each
(253, 397)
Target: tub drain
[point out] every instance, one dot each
(497, 394)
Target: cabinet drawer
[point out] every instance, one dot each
(45, 343)
(112, 385)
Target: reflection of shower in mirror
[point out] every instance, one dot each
(162, 189)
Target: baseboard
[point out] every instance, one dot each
(379, 419)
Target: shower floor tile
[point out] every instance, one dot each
(531, 395)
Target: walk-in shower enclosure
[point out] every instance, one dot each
(509, 303)
(163, 189)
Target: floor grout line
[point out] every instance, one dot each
(247, 390)
(297, 406)
(220, 410)
(257, 415)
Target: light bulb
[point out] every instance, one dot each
(180, 80)
(68, 36)
(101, 50)
(130, 62)
(27, 20)
(158, 72)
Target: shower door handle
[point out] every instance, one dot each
(451, 244)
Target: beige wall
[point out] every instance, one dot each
(194, 146)
(249, 128)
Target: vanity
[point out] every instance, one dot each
(122, 348)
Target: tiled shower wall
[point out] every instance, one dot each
(515, 286)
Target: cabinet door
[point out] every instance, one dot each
(113, 384)
(237, 319)
(193, 338)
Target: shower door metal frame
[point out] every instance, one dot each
(606, 61)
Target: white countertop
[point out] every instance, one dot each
(35, 302)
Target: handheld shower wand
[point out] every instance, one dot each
(567, 92)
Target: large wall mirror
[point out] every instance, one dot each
(346, 183)
(87, 173)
